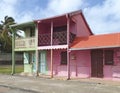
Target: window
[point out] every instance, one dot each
(32, 32)
(109, 57)
(30, 58)
(60, 28)
(64, 58)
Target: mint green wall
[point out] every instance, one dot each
(29, 66)
(34, 62)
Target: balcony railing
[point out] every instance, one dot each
(59, 38)
(25, 43)
(44, 39)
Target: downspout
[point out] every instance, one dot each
(51, 50)
(68, 52)
(13, 52)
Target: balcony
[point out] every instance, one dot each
(25, 43)
(59, 38)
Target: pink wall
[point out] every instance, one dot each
(43, 28)
(58, 69)
(82, 29)
(80, 63)
(73, 28)
(113, 71)
(83, 61)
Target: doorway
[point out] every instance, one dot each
(97, 63)
(42, 65)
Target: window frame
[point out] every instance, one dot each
(109, 57)
(63, 60)
(32, 32)
(60, 28)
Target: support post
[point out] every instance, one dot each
(76, 68)
(13, 52)
(51, 50)
(68, 52)
(36, 50)
(51, 63)
(37, 72)
(68, 64)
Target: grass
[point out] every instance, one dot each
(7, 69)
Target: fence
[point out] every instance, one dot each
(6, 58)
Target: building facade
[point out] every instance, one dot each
(64, 46)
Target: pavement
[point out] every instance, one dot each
(32, 84)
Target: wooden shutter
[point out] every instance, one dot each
(64, 58)
(109, 57)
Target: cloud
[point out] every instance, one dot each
(24, 17)
(7, 8)
(56, 7)
(104, 18)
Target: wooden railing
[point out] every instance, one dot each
(25, 43)
(59, 38)
(44, 39)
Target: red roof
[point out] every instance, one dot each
(96, 41)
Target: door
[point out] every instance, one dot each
(42, 62)
(26, 58)
(27, 65)
(33, 62)
(97, 63)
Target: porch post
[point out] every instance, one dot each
(51, 63)
(36, 50)
(37, 72)
(68, 52)
(13, 52)
(76, 68)
(51, 50)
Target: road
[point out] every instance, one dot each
(22, 84)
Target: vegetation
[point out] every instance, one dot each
(7, 69)
(6, 34)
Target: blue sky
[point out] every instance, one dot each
(103, 16)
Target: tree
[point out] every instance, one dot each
(6, 34)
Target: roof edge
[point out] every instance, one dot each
(59, 15)
(20, 24)
(86, 23)
(73, 49)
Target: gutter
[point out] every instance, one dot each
(73, 49)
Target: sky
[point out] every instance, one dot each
(103, 16)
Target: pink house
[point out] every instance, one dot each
(64, 46)
(98, 56)
(55, 36)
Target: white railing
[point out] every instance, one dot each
(25, 43)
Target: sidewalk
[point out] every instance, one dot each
(42, 85)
